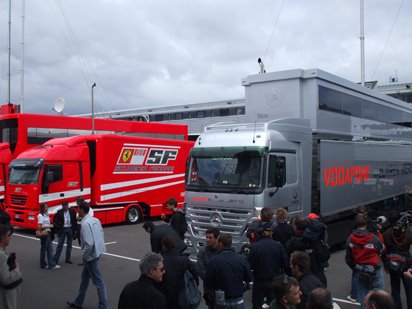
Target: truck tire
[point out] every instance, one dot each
(133, 215)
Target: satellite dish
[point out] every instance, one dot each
(59, 105)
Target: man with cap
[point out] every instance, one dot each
(65, 224)
(267, 259)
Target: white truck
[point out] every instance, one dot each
(325, 160)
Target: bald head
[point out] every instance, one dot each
(379, 299)
(319, 298)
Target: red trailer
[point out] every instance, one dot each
(123, 177)
(21, 131)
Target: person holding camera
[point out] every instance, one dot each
(363, 251)
(10, 274)
(397, 259)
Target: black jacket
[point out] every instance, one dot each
(301, 243)
(268, 259)
(178, 222)
(227, 271)
(142, 294)
(308, 283)
(203, 258)
(58, 222)
(282, 232)
(173, 280)
(161, 231)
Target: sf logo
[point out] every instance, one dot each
(161, 156)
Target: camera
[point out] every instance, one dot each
(404, 221)
(11, 261)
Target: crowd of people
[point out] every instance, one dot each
(284, 262)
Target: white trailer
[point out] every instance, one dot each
(329, 151)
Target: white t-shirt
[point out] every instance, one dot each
(43, 220)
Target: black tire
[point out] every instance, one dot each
(133, 215)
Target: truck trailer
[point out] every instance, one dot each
(124, 178)
(315, 144)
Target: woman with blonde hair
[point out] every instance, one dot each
(283, 230)
(45, 226)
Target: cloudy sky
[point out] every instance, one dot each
(146, 53)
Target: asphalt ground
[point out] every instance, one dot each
(126, 244)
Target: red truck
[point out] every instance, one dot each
(123, 177)
(22, 131)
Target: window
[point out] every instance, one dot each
(342, 103)
(56, 171)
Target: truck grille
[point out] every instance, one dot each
(232, 221)
(18, 200)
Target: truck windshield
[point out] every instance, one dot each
(225, 170)
(24, 175)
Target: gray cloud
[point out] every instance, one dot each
(151, 53)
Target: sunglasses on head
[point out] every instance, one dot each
(286, 281)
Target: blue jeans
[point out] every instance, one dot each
(91, 270)
(363, 288)
(46, 248)
(67, 231)
(396, 289)
(354, 287)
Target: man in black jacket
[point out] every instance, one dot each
(300, 265)
(65, 224)
(178, 219)
(176, 265)
(143, 294)
(306, 237)
(157, 232)
(226, 273)
(267, 259)
(204, 256)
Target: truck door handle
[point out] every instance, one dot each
(61, 194)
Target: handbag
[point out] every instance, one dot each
(41, 233)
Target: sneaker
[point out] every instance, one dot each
(56, 267)
(350, 298)
(73, 305)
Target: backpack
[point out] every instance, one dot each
(322, 250)
(190, 296)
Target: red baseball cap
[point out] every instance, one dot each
(313, 216)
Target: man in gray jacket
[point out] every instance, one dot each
(92, 245)
(10, 274)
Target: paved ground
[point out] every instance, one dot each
(126, 244)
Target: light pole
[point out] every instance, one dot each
(94, 85)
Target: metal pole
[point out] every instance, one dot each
(22, 57)
(9, 77)
(94, 85)
(362, 41)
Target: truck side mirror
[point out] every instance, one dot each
(280, 174)
(49, 177)
(277, 172)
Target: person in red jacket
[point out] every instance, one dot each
(363, 252)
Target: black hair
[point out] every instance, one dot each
(214, 231)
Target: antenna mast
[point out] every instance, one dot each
(362, 42)
(9, 74)
(22, 56)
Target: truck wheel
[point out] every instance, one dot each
(133, 215)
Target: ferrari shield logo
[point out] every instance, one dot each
(126, 156)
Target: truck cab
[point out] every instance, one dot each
(236, 170)
(46, 174)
